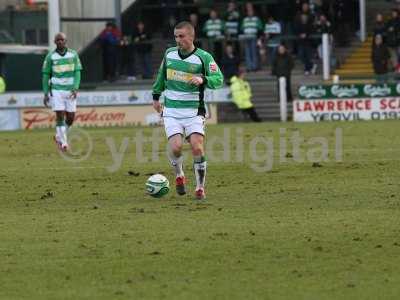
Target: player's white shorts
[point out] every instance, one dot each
(61, 101)
(184, 127)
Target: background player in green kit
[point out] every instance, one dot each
(61, 79)
(183, 75)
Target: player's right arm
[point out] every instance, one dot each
(77, 76)
(46, 72)
(159, 86)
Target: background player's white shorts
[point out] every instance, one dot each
(184, 127)
(60, 101)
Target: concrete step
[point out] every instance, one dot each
(266, 108)
(359, 65)
(358, 60)
(354, 73)
(359, 56)
(366, 45)
(351, 69)
(362, 51)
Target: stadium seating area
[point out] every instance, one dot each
(230, 18)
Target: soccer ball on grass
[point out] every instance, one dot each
(157, 186)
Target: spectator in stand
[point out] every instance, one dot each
(214, 31)
(232, 21)
(327, 7)
(251, 28)
(143, 47)
(285, 13)
(379, 26)
(194, 20)
(232, 24)
(127, 65)
(241, 95)
(168, 30)
(302, 8)
(298, 4)
(168, 16)
(380, 59)
(110, 40)
(305, 10)
(282, 67)
(392, 37)
(304, 30)
(230, 63)
(323, 26)
(272, 34)
(316, 7)
(343, 19)
(214, 26)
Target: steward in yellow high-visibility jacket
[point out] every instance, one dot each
(2, 85)
(241, 95)
(241, 92)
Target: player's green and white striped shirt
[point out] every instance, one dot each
(62, 70)
(181, 99)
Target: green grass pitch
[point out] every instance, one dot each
(301, 230)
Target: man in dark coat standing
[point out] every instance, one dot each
(230, 63)
(143, 47)
(282, 67)
(110, 39)
(380, 59)
(304, 30)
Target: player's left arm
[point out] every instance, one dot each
(77, 77)
(213, 78)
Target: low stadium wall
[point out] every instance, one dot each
(95, 109)
(352, 102)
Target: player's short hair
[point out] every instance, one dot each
(185, 24)
(60, 34)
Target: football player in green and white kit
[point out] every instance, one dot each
(61, 79)
(183, 75)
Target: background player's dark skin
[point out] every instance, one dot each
(61, 41)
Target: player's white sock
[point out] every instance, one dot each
(58, 139)
(61, 132)
(177, 164)
(200, 168)
(64, 134)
